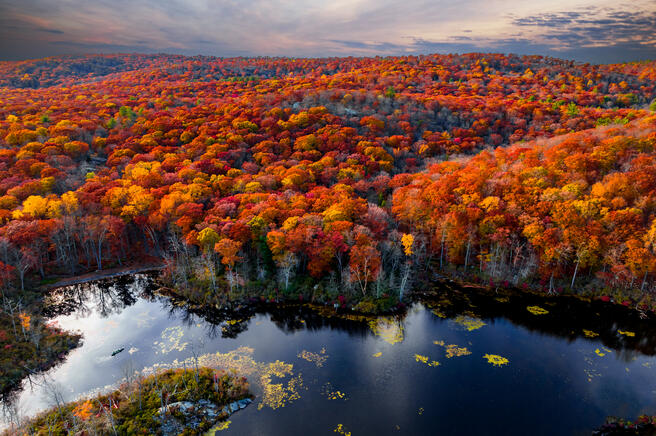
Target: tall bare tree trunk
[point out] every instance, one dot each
(576, 269)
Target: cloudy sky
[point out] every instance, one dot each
(592, 31)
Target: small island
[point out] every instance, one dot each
(169, 402)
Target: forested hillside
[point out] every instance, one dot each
(353, 171)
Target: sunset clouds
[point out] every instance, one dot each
(589, 31)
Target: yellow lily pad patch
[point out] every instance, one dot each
(469, 323)
(222, 425)
(452, 350)
(317, 358)
(537, 310)
(341, 430)
(496, 360)
(388, 329)
(425, 360)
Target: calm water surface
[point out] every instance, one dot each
(566, 369)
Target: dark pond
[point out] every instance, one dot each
(553, 366)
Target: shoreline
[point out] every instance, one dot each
(475, 284)
(443, 285)
(101, 275)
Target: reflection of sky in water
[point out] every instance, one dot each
(544, 388)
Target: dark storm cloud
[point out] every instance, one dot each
(596, 27)
(54, 31)
(548, 20)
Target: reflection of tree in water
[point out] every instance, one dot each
(568, 317)
(105, 297)
(9, 409)
(231, 320)
(111, 296)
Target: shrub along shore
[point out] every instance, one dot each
(169, 402)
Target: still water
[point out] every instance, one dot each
(459, 363)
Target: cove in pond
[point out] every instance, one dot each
(456, 363)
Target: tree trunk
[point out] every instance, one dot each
(576, 269)
(442, 250)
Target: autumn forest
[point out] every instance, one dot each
(350, 182)
(531, 170)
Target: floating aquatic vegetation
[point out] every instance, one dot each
(261, 374)
(444, 301)
(591, 373)
(420, 411)
(626, 333)
(380, 353)
(420, 358)
(234, 321)
(537, 310)
(468, 322)
(172, 340)
(337, 395)
(388, 329)
(502, 299)
(599, 353)
(424, 360)
(277, 395)
(590, 333)
(452, 350)
(332, 394)
(438, 313)
(496, 360)
(317, 358)
(329, 312)
(647, 364)
(341, 430)
(240, 360)
(220, 426)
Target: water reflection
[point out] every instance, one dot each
(454, 354)
(567, 317)
(106, 297)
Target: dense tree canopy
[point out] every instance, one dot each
(524, 169)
